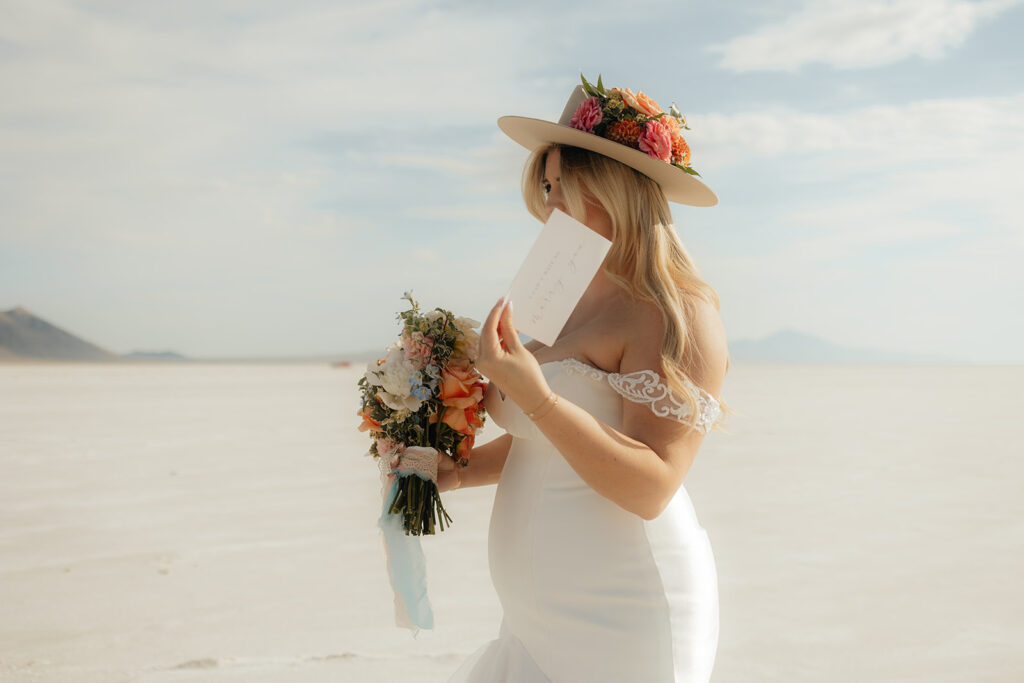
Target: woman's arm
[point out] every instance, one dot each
(640, 467)
(485, 465)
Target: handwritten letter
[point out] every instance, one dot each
(556, 272)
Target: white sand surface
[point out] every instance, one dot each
(217, 523)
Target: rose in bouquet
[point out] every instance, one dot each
(424, 397)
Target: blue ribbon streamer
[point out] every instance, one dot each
(407, 569)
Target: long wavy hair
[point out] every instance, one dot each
(646, 258)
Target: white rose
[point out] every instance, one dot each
(468, 344)
(393, 377)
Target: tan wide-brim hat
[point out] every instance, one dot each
(678, 185)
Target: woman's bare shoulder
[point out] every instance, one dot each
(639, 322)
(643, 328)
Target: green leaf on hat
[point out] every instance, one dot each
(591, 90)
(687, 169)
(600, 88)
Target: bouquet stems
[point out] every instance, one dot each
(419, 503)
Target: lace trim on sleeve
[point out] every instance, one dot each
(645, 386)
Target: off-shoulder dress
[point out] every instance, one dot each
(592, 592)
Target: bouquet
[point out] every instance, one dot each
(424, 396)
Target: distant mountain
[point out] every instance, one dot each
(154, 355)
(793, 346)
(25, 336)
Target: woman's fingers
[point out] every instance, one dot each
(507, 329)
(489, 335)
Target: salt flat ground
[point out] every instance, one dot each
(217, 523)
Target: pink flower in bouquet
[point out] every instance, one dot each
(418, 348)
(386, 446)
(587, 115)
(656, 140)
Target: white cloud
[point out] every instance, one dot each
(960, 134)
(901, 226)
(129, 129)
(855, 35)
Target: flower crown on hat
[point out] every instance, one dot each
(634, 120)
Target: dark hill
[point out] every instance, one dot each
(25, 336)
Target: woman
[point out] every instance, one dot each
(601, 566)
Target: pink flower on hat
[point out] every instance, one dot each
(587, 115)
(656, 140)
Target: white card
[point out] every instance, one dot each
(556, 272)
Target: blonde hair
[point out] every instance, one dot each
(646, 258)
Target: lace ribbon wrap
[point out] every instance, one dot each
(645, 386)
(418, 460)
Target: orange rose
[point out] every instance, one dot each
(368, 422)
(461, 386)
(648, 106)
(462, 420)
(639, 101)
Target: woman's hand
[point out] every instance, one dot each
(506, 362)
(447, 477)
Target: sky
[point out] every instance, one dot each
(267, 178)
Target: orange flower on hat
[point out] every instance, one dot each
(680, 150)
(647, 105)
(638, 101)
(625, 132)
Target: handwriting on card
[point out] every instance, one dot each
(557, 271)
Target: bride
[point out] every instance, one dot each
(601, 566)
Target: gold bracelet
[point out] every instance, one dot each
(531, 413)
(458, 477)
(551, 401)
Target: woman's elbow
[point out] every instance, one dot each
(654, 503)
(653, 508)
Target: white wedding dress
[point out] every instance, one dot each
(590, 592)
